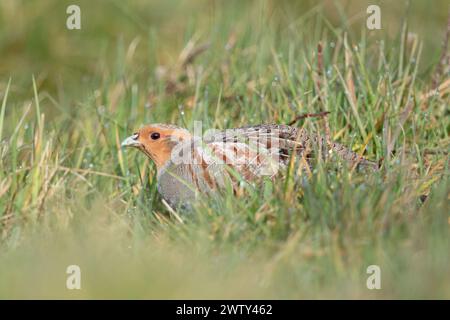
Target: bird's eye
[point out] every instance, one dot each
(155, 136)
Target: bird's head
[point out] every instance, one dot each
(157, 141)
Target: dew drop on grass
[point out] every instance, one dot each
(275, 81)
(101, 109)
(181, 108)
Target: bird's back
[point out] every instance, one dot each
(287, 140)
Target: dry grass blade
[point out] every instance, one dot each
(309, 115)
(443, 66)
(2, 111)
(172, 212)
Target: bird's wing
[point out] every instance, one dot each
(254, 152)
(209, 165)
(283, 141)
(250, 160)
(279, 140)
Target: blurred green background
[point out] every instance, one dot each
(34, 38)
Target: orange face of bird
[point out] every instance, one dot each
(156, 141)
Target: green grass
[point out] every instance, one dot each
(70, 195)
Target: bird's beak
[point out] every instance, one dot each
(131, 141)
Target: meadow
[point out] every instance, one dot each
(70, 195)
